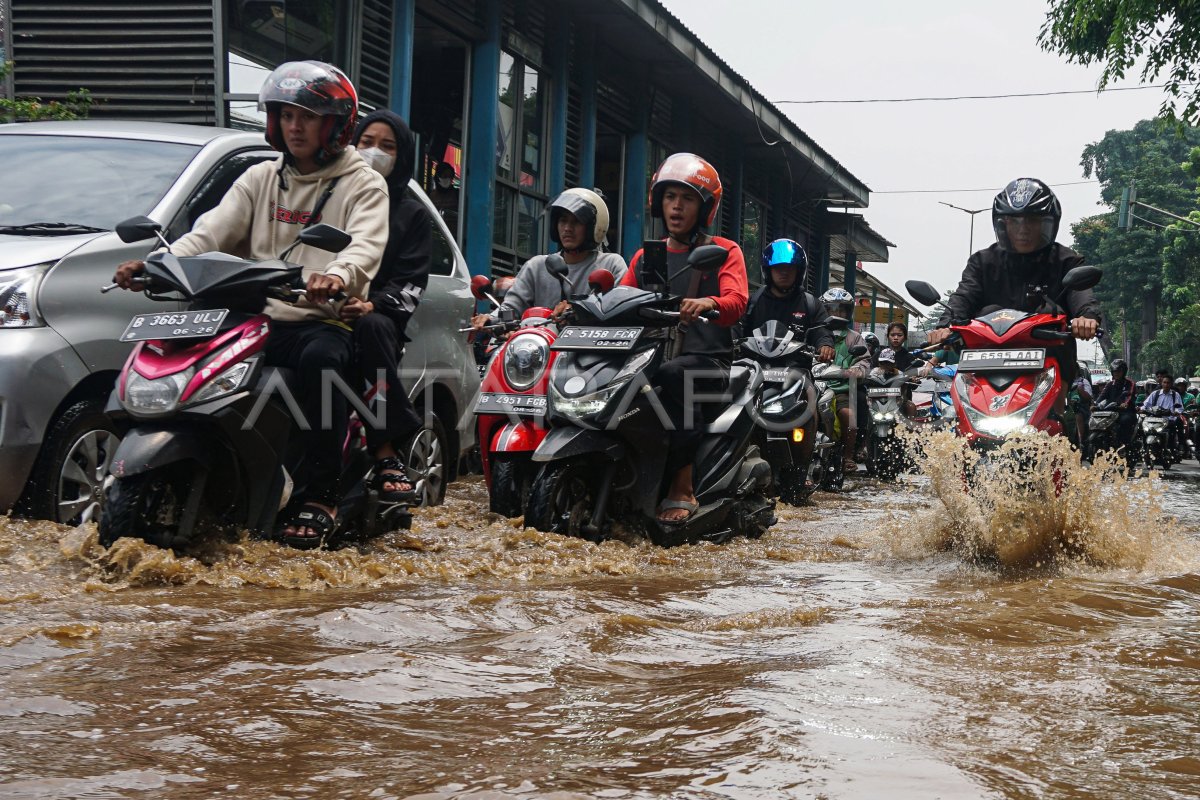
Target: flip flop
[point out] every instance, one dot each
(666, 505)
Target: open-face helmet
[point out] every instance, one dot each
(784, 253)
(839, 305)
(317, 87)
(693, 172)
(589, 208)
(1026, 197)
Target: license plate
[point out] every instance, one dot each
(176, 325)
(588, 338)
(533, 405)
(1002, 360)
(889, 391)
(775, 375)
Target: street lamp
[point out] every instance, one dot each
(971, 246)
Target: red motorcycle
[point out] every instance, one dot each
(1007, 382)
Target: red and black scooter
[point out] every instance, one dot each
(1008, 383)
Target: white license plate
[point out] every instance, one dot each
(533, 405)
(775, 375)
(174, 325)
(1028, 358)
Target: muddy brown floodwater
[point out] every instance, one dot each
(884, 643)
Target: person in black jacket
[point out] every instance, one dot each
(1024, 258)
(385, 141)
(782, 298)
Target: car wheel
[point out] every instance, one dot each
(425, 456)
(67, 483)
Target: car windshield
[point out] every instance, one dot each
(84, 181)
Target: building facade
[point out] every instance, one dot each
(521, 98)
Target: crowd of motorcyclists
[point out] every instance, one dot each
(353, 174)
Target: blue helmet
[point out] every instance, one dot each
(785, 253)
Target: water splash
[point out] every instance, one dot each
(1031, 504)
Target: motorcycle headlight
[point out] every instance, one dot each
(774, 407)
(155, 395)
(634, 365)
(879, 416)
(18, 297)
(586, 405)
(1017, 422)
(525, 360)
(225, 383)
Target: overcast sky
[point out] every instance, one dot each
(883, 48)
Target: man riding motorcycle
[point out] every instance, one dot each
(686, 193)
(1025, 216)
(1166, 399)
(311, 111)
(783, 298)
(1121, 391)
(578, 225)
(839, 308)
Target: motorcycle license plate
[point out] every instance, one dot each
(775, 375)
(498, 403)
(889, 391)
(579, 337)
(1028, 358)
(174, 325)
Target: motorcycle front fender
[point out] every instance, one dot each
(567, 442)
(517, 437)
(143, 450)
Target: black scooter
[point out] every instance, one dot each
(604, 458)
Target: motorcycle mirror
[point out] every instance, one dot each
(556, 265)
(324, 237)
(480, 286)
(1080, 278)
(923, 292)
(137, 229)
(707, 257)
(858, 350)
(600, 281)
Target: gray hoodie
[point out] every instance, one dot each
(535, 286)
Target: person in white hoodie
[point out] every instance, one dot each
(311, 110)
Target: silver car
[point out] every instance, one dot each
(65, 186)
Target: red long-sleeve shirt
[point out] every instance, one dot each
(731, 280)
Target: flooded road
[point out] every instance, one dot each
(856, 650)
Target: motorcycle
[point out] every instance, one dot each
(886, 405)
(603, 461)
(1006, 383)
(1158, 441)
(784, 405)
(833, 477)
(1103, 425)
(211, 437)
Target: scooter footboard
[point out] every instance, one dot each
(569, 442)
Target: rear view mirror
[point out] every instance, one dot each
(325, 237)
(923, 292)
(481, 285)
(858, 350)
(137, 229)
(600, 280)
(556, 265)
(707, 257)
(1080, 278)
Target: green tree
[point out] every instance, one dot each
(30, 109)
(1120, 33)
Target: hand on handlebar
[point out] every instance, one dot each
(691, 308)
(826, 354)
(1084, 328)
(479, 321)
(126, 275)
(939, 335)
(323, 288)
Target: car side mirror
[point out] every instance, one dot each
(923, 292)
(324, 237)
(138, 229)
(707, 258)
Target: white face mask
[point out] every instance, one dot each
(378, 160)
(445, 182)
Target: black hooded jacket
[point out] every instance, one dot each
(404, 270)
(797, 307)
(996, 277)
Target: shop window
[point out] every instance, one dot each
(520, 159)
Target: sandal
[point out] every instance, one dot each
(666, 505)
(392, 470)
(307, 516)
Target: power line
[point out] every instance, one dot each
(978, 96)
(989, 189)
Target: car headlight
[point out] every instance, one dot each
(223, 384)
(155, 395)
(18, 297)
(525, 360)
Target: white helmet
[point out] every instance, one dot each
(588, 207)
(839, 305)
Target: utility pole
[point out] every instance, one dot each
(971, 245)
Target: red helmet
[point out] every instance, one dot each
(693, 172)
(318, 87)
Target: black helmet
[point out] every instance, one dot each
(589, 208)
(1118, 364)
(1026, 197)
(784, 253)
